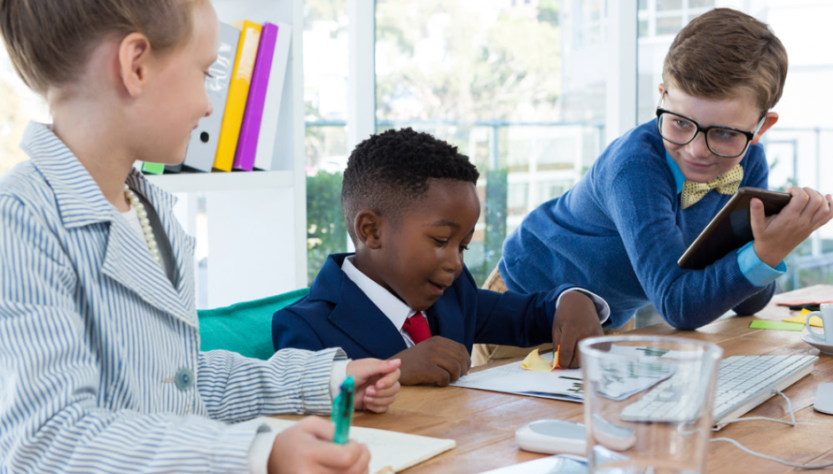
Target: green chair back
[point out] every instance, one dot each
(245, 328)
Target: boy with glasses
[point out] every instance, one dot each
(621, 229)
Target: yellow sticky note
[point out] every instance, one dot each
(800, 318)
(535, 363)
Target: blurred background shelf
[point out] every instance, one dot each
(221, 181)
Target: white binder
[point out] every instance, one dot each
(272, 105)
(203, 145)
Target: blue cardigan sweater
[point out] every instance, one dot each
(620, 231)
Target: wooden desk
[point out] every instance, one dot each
(484, 423)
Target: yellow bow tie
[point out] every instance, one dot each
(726, 184)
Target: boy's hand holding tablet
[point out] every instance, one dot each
(777, 235)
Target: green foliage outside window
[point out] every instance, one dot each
(495, 209)
(326, 232)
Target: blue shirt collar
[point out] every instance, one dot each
(675, 170)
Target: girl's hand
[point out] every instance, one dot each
(308, 447)
(377, 383)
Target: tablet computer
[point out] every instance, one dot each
(730, 229)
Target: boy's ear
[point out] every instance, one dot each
(770, 120)
(369, 228)
(134, 61)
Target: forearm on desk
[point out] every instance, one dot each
(291, 381)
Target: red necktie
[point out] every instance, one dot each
(417, 327)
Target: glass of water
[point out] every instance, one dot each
(648, 403)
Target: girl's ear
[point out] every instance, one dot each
(134, 61)
(369, 227)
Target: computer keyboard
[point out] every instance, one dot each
(743, 383)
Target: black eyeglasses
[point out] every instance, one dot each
(725, 142)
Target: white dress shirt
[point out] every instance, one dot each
(391, 306)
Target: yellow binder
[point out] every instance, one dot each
(238, 93)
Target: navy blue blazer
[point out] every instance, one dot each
(336, 313)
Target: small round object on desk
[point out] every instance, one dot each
(185, 378)
(552, 437)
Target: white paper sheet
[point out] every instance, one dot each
(566, 384)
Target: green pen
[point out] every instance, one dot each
(343, 411)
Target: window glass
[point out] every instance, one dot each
(519, 87)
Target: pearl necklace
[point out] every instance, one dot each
(136, 204)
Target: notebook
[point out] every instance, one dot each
(389, 451)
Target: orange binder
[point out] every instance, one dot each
(238, 93)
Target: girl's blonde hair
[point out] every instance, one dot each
(49, 41)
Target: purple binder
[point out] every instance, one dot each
(244, 158)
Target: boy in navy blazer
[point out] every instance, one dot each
(411, 206)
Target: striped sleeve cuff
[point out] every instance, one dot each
(229, 450)
(315, 382)
(757, 272)
(261, 449)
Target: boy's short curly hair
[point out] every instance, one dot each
(391, 171)
(50, 41)
(724, 51)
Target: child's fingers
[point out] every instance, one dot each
(364, 369)
(379, 410)
(797, 202)
(381, 401)
(461, 354)
(321, 429)
(443, 371)
(390, 391)
(388, 366)
(757, 217)
(451, 366)
(340, 457)
(814, 200)
(823, 213)
(387, 381)
(556, 339)
(568, 355)
(378, 405)
(799, 199)
(361, 465)
(453, 357)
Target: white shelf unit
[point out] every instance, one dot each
(218, 182)
(255, 222)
